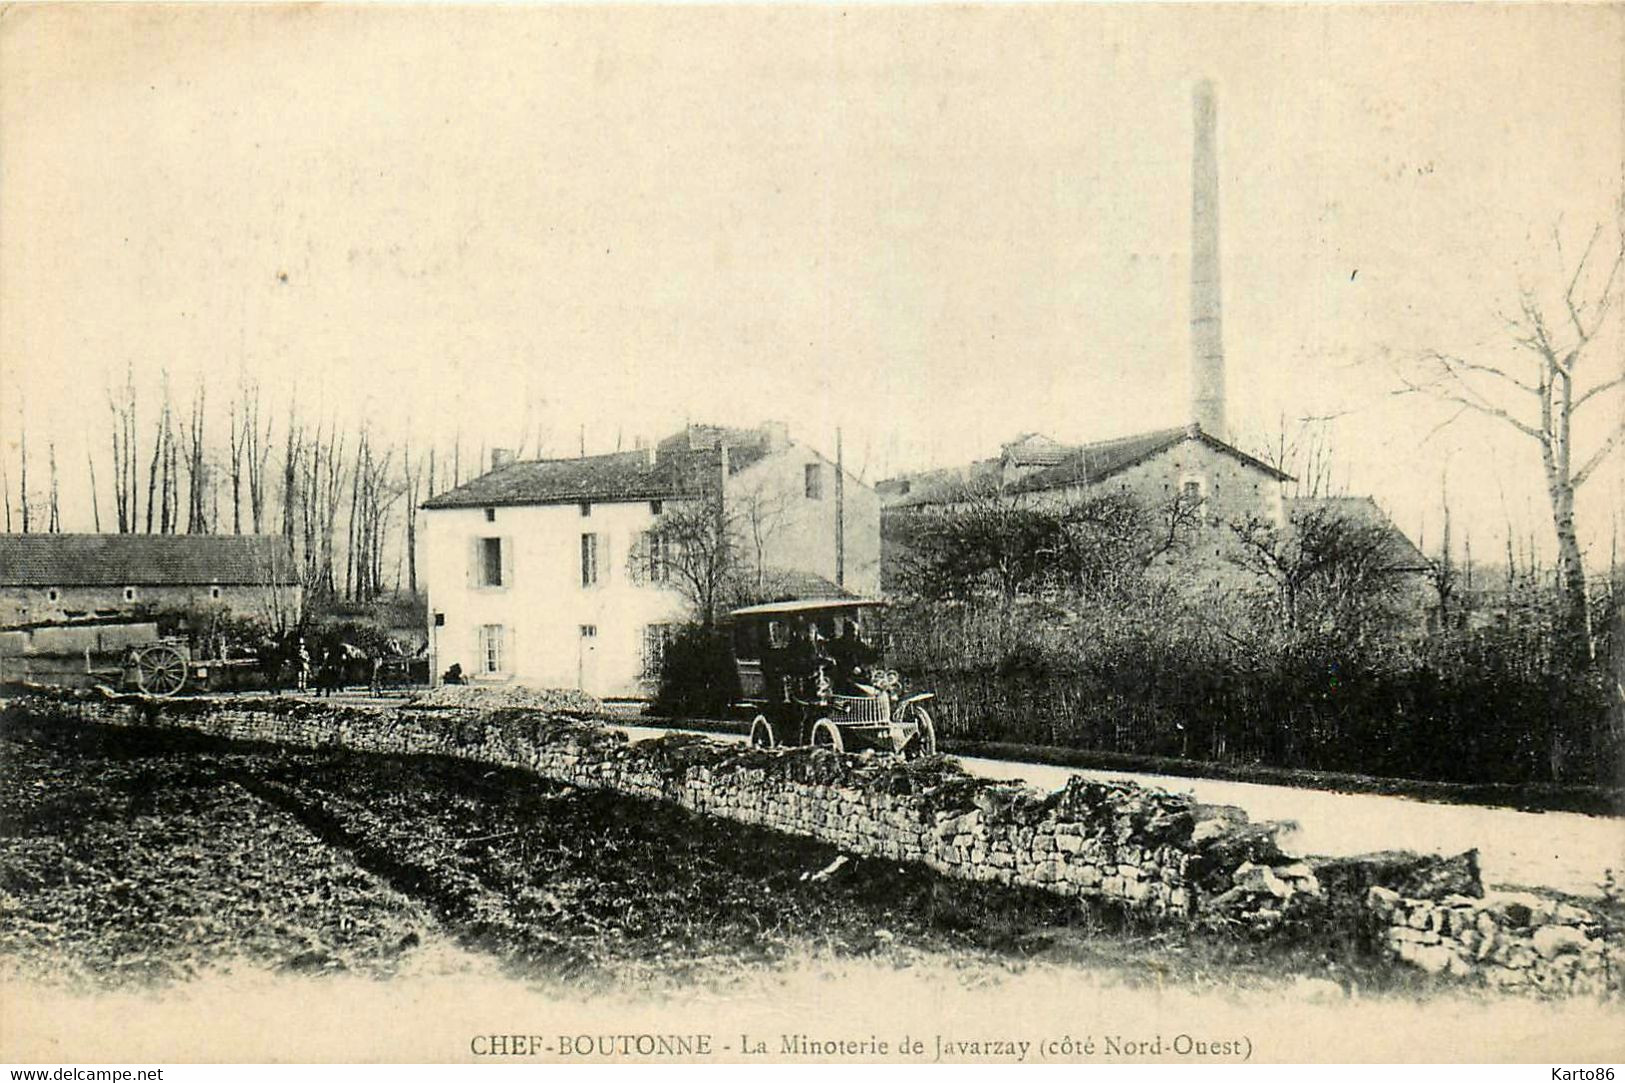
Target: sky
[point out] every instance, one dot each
(931, 227)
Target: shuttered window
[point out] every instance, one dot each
(589, 560)
(492, 649)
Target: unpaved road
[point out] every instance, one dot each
(1564, 851)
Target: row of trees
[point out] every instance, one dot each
(344, 497)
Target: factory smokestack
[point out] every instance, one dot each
(1207, 332)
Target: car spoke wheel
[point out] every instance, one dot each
(924, 741)
(827, 734)
(761, 733)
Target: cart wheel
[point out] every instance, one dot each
(761, 733)
(160, 670)
(924, 741)
(827, 734)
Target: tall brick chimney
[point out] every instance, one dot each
(1207, 332)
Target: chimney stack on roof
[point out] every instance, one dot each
(776, 435)
(500, 457)
(1207, 333)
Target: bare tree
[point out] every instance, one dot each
(197, 481)
(760, 513)
(54, 517)
(1537, 391)
(292, 451)
(236, 468)
(22, 445)
(1442, 573)
(122, 418)
(692, 548)
(412, 480)
(1325, 566)
(256, 449)
(1302, 449)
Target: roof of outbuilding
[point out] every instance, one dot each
(1403, 555)
(1097, 461)
(117, 560)
(1084, 465)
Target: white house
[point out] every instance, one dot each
(543, 572)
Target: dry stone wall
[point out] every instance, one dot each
(1158, 854)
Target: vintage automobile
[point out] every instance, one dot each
(808, 677)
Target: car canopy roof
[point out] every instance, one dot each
(805, 605)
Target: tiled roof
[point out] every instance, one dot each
(627, 475)
(1083, 465)
(679, 465)
(117, 560)
(1092, 462)
(1096, 462)
(784, 584)
(1402, 552)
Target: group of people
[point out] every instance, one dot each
(322, 667)
(815, 664)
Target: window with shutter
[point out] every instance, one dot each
(492, 653)
(589, 560)
(488, 562)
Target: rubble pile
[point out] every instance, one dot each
(503, 697)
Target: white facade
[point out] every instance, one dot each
(548, 621)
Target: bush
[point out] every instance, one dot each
(1206, 678)
(697, 675)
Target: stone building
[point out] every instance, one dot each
(61, 578)
(552, 573)
(1168, 470)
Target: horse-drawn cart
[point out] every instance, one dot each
(165, 667)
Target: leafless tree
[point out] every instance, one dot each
(1443, 573)
(292, 452)
(1302, 448)
(22, 446)
(197, 469)
(692, 547)
(95, 502)
(54, 517)
(412, 480)
(760, 512)
(256, 449)
(236, 469)
(5, 491)
(122, 416)
(1537, 390)
(1324, 565)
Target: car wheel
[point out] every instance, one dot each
(924, 741)
(827, 734)
(761, 733)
